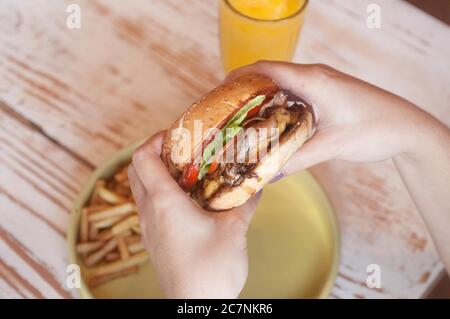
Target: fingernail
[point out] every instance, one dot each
(277, 177)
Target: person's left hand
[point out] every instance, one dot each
(195, 253)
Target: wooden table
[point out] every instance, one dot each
(70, 98)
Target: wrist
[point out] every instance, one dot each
(200, 288)
(208, 292)
(425, 138)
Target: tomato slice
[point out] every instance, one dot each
(189, 177)
(253, 111)
(213, 167)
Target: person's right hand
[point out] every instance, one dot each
(195, 253)
(355, 120)
(359, 122)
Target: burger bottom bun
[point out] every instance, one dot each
(229, 197)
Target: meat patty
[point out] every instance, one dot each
(275, 122)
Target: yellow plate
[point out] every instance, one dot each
(293, 243)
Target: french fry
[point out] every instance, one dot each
(94, 197)
(95, 257)
(124, 191)
(93, 233)
(84, 227)
(95, 208)
(96, 281)
(123, 248)
(125, 224)
(105, 234)
(122, 175)
(110, 196)
(133, 239)
(88, 247)
(109, 231)
(135, 248)
(136, 229)
(118, 210)
(112, 256)
(106, 222)
(108, 234)
(119, 265)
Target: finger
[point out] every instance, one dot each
(306, 81)
(246, 212)
(297, 78)
(269, 68)
(323, 146)
(278, 176)
(139, 193)
(151, 170)
(137, 188)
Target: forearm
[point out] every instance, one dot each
(425, 170)
(199, 288)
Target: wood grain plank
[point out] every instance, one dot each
(38, 184)
(25, 171)
(378, 228)
(407, 56)
(134, 55)
(15, 280)
(29, 277)
(7, 291)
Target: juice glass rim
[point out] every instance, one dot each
(296, 13)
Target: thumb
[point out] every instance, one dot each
(246, 212)
(151, 170)
(321, 147)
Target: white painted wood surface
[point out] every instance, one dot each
(70, 98)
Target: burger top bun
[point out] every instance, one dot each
(213, 110)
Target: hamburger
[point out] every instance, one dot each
(249, 128)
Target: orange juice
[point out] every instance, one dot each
(252, 30)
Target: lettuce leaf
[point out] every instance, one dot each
(228, 132)
(240, 116)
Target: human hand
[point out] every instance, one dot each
(195, 253)
(356, 121)
(359, 122)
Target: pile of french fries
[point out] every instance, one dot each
(109, 241)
